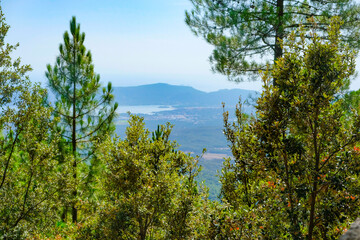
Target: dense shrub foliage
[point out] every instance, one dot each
(149, 187)
(298, 159)
(294, 172)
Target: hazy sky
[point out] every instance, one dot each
(133, 42)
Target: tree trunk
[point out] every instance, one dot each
(64, 214)
(278, 52)
(315, 183)
(74, 210)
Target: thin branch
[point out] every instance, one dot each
(8, 160)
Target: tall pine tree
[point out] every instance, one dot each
(85, 115)
(247, 35)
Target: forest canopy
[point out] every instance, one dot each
(247, 35)
(294, 173)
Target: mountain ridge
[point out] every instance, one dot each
(175, 95)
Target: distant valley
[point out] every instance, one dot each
(197, 118)
(181, 96)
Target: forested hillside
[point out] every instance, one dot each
(292, 158)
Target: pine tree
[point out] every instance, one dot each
(85, 116)
(247, 34)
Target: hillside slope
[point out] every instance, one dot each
(183, 96)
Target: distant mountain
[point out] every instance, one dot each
(165, 94)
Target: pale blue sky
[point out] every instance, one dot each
(133, 42)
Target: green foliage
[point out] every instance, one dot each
(209, 176)
(76, 86)
(295, 167)
(85, 116)
(351, 102)
(297, 163)
(150, 187)
(247, 34)
(12, 72)
(31, 177)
